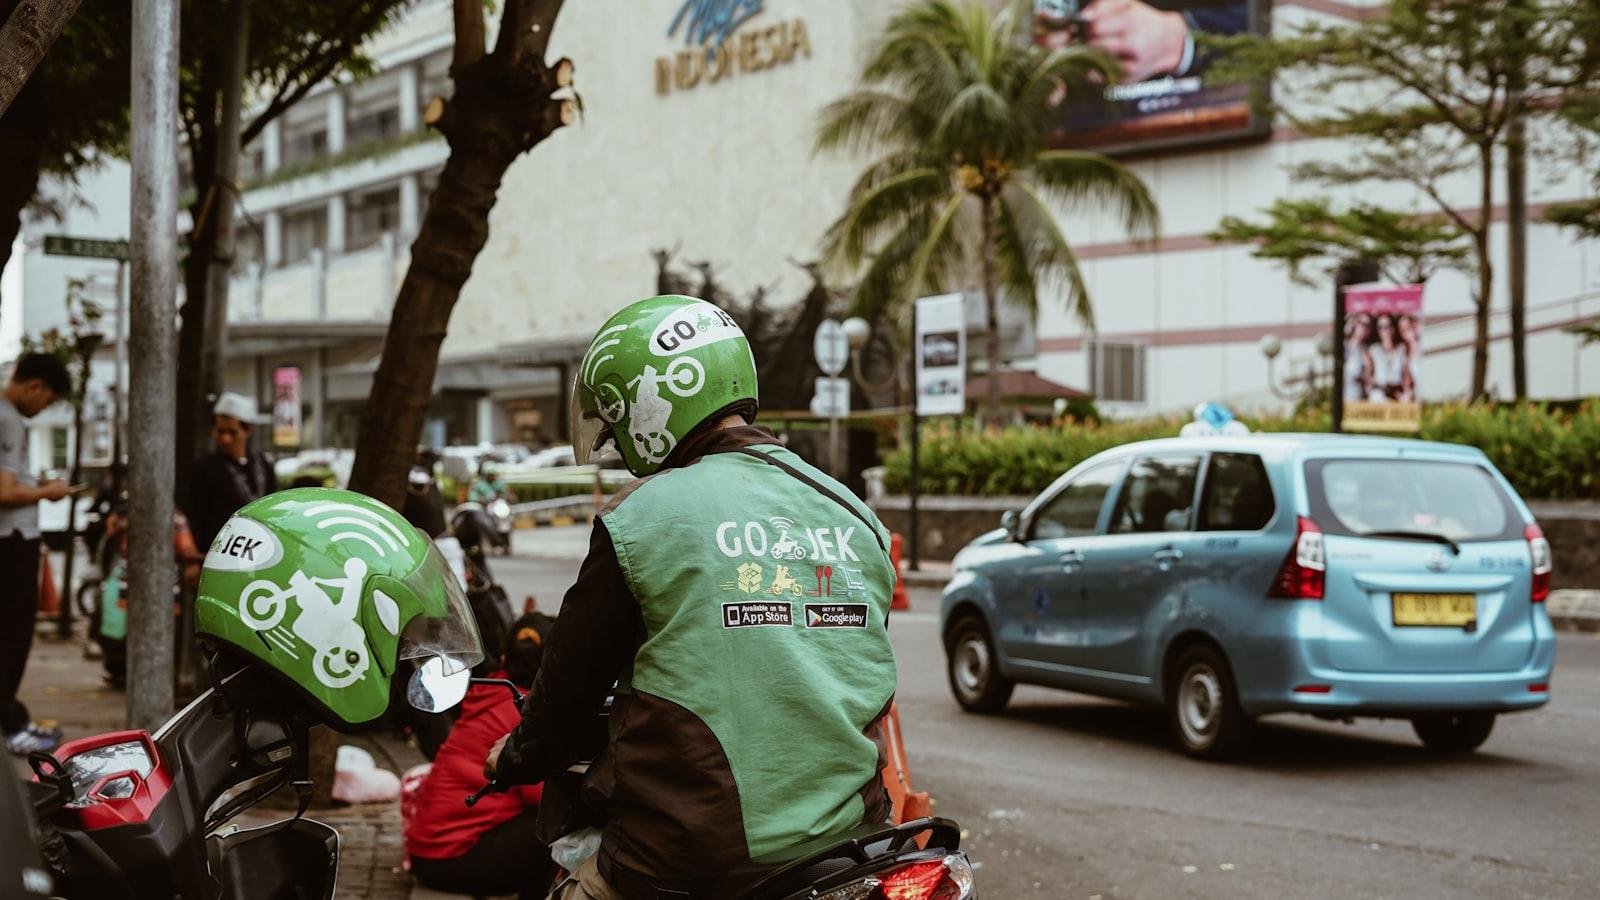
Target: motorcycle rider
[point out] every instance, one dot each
(751, 685)
(488, 487)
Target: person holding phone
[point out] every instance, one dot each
(37, 381)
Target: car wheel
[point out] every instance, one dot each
(1203, 704)
(1454, 733)
(974, 670)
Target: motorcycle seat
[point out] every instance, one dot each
(793, 868)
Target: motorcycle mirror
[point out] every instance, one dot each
(434, 688)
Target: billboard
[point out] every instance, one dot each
(1163, 99)
(1382, 356)
(941, 355)
(286, 406)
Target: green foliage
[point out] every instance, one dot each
(956, 108)
(1547, 453)
(1407, 248)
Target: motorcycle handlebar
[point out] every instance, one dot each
(493, 787)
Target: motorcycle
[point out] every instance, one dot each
(491, 520)
(916, 860)
(134, 815)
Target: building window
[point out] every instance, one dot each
(373, 126)
(58, 447)
(305, 145)
(304, 231)
(370, 215)
(1116, 371)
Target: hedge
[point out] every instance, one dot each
(1546, 452)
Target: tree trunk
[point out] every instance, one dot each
(219, 261)
(502, 108)
(20, 160)
(24, 39)
(1480, 244)
(991, 304)
(1517, 236)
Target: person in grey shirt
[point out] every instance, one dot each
(36, 382)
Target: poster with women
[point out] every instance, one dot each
(1382, 357)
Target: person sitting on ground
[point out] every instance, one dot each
(491, 848)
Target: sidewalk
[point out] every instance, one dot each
(63, 688)
(1570, 609)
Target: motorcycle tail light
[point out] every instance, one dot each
(935, 879)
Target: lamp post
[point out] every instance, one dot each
(1271, 346)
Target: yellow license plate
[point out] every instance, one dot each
(1435, 609)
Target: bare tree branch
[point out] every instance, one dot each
(27, 34)
(470, 41)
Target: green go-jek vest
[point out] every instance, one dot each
(766, 656)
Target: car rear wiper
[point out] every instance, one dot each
(1455, 548)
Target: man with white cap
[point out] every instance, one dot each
(231, 475)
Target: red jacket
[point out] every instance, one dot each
(443, 826)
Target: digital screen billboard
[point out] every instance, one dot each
(1163, 99)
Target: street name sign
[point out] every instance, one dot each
(88, 248)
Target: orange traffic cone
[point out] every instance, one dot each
(908, 803)
(49, 599)
(900, 600)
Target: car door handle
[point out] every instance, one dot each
(1071, 559)
(1166, 556)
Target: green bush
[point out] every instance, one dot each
(1546, 452)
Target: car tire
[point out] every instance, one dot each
(1454, 732)
(973, 667)
(1203, 705)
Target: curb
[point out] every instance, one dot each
(1583, 623)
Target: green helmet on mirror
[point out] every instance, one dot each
(331, 590)
(655, 371)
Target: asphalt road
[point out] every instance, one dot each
(1064, 795)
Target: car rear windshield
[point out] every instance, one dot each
(1460, 501)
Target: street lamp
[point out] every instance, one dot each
(1271, 347)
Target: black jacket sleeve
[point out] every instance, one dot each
(599, 630)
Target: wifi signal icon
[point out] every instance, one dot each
(361, 525)
(782, 523)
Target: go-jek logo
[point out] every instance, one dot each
(783, 540)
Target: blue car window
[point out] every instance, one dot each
(1075, 511)
(1237, 495)
(1157, 496)
(1456, 500)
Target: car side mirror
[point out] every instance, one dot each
(1011, 521)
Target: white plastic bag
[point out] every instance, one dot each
(573, 850)
(357, 778)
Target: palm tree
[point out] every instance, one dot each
(957, 106)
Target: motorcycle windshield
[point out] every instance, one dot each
(452, 634)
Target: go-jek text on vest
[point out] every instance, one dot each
(756, 539)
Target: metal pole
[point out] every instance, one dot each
(914, 488)
(1353, 272)
(154, 248)
(833, 443)
(119, 412)
(219, 269)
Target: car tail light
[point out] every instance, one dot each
(1304, 570)
(935, 879)
(1539, 549)
(1539, 687)
(1313, 689)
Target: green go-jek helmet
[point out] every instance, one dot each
(332, 590)
(653, 372)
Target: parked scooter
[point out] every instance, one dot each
(309, 604)
(916, 860)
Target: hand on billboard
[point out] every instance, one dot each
(1146, 41)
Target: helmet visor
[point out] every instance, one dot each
(445, 628)
(589, 431)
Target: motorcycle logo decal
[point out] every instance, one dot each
(836, 615)
(749, 579)
(243, 545)
(684, 377)
(327, 625)
(691, 328)
(786, 546)
(783, 581)
(740, 615)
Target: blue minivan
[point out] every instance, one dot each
(1229, 578)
